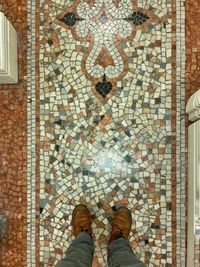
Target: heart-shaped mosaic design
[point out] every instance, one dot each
(104, 87)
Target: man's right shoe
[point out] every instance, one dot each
(81, 220)
(121, 225)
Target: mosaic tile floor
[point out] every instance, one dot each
(105, 122)
(106, 117)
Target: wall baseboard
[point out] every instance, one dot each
(8, 52)
(193, 109)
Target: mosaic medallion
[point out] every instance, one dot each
(105, 25)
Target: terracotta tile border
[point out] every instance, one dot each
(192, 68)
(13, 147)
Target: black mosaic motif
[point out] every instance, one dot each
(41, 210)
(70, 19)
(138, 18)
(104, 87)
(50, 42)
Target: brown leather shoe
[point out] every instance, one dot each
(121, 225)
(81, 220)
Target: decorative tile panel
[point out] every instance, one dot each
(107, 25)
(105, 123)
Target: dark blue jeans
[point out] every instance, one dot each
(80, 254)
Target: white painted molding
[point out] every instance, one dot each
(193, 109)
(8, 52)
(193, 106)
(193, 185)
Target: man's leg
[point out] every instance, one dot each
(80, 253)
(120, 253)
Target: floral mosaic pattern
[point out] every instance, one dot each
(108, 25)
(106, 153)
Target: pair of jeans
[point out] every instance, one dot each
(80, 253)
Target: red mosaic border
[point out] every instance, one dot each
(173, 125)
(13, 146)
(192, 62)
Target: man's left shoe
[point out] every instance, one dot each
(81, 220)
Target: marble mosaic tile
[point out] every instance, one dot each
(192, 79)
(181, 151)
(13, 149)
(106, 129)
(105, 123)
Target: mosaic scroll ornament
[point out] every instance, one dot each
(108, 25)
